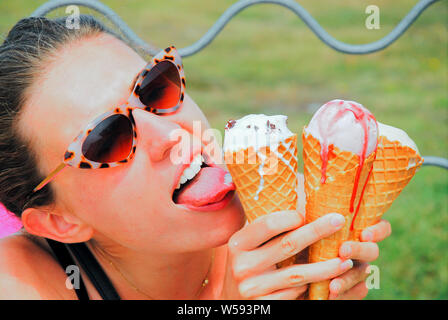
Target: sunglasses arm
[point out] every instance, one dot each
(50, 177)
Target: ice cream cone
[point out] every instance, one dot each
(266, 180)
(393, 168)
(336, 194)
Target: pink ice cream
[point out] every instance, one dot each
(346, 125)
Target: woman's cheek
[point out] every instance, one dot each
(192, 118)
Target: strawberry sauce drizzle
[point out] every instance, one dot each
(360, 198)
(362, 118)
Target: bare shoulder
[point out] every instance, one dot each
(29, 271)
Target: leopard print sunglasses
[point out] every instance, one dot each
(110, 139)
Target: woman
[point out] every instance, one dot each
(121, 222)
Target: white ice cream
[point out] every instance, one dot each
(255, 130)
(395, 134)
(330, 124)
(258, 131)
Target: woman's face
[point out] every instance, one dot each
(133, 203)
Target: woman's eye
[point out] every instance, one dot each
(152, 97)
(156, 93)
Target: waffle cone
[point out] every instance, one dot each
(393, 168)
(332, 196)
(266, 181)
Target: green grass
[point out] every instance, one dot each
(267, 61)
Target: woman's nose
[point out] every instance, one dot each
(155, 134)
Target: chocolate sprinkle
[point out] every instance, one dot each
(230, 124)
(270, 125)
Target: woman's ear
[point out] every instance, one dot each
(52, 225)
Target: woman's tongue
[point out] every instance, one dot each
(210, 185)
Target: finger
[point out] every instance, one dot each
(248, 263)
(377, 232)
(264, 228)
(358, 292)
(284, 294)
(348, 280)
(285, 246)
(363, 251)
(295, 241)
(296, 275)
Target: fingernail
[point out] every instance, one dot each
(335, 286)
(367, 236)
(337, 220)
(346, 250)
(347, 264)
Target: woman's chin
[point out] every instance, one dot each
(215, 226)
(231, 219)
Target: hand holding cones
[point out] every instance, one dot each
(353, 166)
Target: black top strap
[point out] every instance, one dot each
(94, 271)
(65, 259)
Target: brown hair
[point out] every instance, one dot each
(22, 56)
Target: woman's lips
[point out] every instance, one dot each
(210, 185)
(181, 168)
(210, 189)
(212, 206)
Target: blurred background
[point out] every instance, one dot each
(267, 61)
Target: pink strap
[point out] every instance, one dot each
(9, 223)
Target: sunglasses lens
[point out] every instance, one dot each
(161, 87)
(110, 140)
